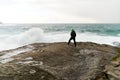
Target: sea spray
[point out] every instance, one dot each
(16, 35)
(13, 41)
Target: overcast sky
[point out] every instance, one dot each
(60, 11)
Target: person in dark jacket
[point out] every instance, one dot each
(73, 35)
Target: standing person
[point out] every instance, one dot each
(73, 35)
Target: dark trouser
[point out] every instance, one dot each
(73, 40)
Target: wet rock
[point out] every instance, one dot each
(59, 61)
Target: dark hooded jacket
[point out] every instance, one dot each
(73, 33)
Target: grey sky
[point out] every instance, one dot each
(60, 11)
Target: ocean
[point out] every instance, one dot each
(17, 35)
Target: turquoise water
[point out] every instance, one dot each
(16, 35)
(100, 29)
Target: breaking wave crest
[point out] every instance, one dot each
(36, 35)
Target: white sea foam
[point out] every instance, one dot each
(27, 37)
(97, 38)
(35, 35)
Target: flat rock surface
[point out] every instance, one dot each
(59, 61)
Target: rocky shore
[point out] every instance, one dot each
(59, 61)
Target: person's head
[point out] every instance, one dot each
(72, 30)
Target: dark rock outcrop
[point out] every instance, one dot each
(59, 61)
